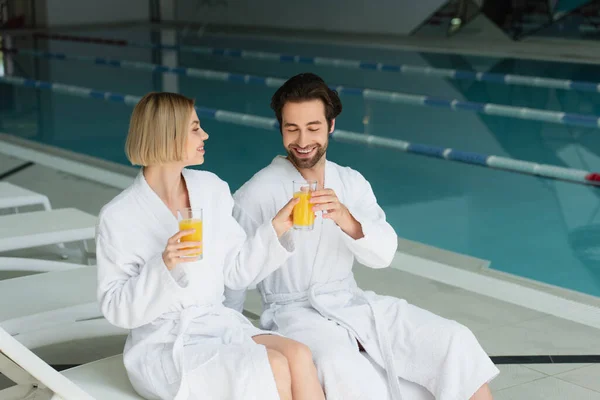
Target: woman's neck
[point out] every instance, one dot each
(168, 184)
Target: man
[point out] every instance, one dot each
(365, 346)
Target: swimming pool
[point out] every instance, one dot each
(537, 228)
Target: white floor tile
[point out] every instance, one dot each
(477, 312)
(542, 336)
(548, 388)
(554, 369)
(5, 382)
(392, 282)
(513, 375)
(8, 163)
(253, 302)
(587, 377)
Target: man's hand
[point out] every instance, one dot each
(327, 200)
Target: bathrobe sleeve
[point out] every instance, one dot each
(251, 256)
(235, 299)
(132, 295)
(376, 249)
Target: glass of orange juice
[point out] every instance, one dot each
(304, 216)
(191, 218)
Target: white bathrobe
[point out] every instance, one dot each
(184, 343)
(313, 298)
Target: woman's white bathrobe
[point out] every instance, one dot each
(313, 298)
(183, 342)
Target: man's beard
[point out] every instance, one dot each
(304, 163)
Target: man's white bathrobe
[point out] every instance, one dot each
(183, 342)
(313, 298)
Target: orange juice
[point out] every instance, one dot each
(194, 237)
(304, 216)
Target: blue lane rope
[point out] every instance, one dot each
(454, 74)
(526, 113)
(490, 161)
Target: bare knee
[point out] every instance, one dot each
(484, 393)
(299, 353)
(279, 364)
(281, 372)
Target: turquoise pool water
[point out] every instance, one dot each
(532, 227)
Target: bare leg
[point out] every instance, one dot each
(483, 393)
(281, 372)
(305, 382)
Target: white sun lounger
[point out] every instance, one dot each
(49, 308)
(34, 265)
(104, 379)
(53, 307)
(40, 228)
(56, 307)
(13, 196)
(100, 380)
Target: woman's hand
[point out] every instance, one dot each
(284, 220)
(177, 252)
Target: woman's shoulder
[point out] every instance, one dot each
(205, 179)
(119, 206)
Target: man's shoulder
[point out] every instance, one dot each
(267, 176)
(348, 174)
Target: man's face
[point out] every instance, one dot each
(305, 132)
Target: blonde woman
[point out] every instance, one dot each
(183, 343)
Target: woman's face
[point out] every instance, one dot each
(195, 141)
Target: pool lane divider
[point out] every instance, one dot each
(271, 124)
(525, 113)
(365, 65)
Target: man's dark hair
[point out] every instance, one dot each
(304, 87)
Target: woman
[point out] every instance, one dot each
(183, 342)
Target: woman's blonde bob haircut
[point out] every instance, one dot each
(158, 129)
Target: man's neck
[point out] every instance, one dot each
(316, 173)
